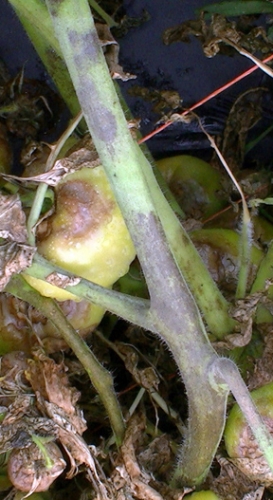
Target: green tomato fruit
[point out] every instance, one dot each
(87, 234)
(240, 444)
(202, 495)
(220, 251)
(194, 183)
(17, 335)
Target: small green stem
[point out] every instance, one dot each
(265, 272)
(99, 376)
(42, 188)
(40, 443)
(132, 309)
(245, 253)
(246, 233)
(108, 19)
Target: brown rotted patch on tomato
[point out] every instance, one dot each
(80, 210)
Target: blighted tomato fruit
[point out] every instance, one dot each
(87, 236)
(240, 443)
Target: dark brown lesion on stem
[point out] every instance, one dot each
(91, 44)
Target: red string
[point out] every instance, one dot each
(206, 99)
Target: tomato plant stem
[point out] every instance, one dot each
(173, 311)
(131, 309)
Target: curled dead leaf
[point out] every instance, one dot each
(244, 312)
(111, 51)
(132, 480)
(146, 377)
(55, 395)
(220, 34)
(14, 258)
(12, 219)
(15, 254)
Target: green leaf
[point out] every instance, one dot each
(245, 7)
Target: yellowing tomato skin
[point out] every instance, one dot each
(202, 495)
(87, 234)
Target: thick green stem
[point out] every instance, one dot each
(173, 310)
(99, 376)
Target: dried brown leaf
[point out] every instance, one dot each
(60, 169)
(12, 219)
(74, 423)
(132, 480)
(164, 102)
(51, 178)
(157, 456)
(111, 51)
(145, 377)
(14, 258)
(83, 154)
(182, 32)
(256, 494)
(111, 54)
(77, 450)
(57, 399)
(12, 380)
(232, 484)
(244, 114)
(51, 382)
(21, 421)
(220, 35)
(244, 312)
(15, 254)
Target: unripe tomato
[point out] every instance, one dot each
(87, 234)
(202, 495)
(194, 183)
